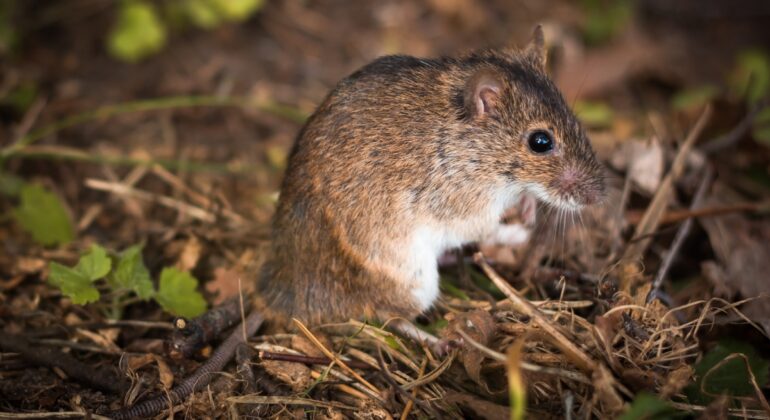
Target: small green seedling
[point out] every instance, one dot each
(127, 279)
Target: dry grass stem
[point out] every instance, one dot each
(333, 356)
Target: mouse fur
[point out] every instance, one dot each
(405, 159)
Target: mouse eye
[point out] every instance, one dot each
(540, 142)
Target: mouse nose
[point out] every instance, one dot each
(580, 185)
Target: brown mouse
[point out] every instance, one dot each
(407, 158)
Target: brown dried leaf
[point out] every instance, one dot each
(225, 284)
(715, 274)
(103, 338)
(370, 410)
(29, 265)
(638, 379)
(303, 345)
(480, 326)
(296, 375)
(164, 373)
(191, 253)
(72, 319)
(136, 362)
(676, 381)
(740, 245)
(643, 161)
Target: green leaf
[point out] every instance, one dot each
(203, 13)
(452, 290)
(731, 378)
(21, 97)
(751, 76)
(392, 342)
(95, 264)
(694, 98)
(648, 407)
(131, 273)
(72, 283)
(485, 283)
(138, 33)
(77, 282)
(594, 114)
(42, 214)
(435, 327)
(177, 293)
(604, 19)
(237, 10)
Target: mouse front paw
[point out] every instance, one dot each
(509, 235)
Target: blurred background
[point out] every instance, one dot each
(632, 68)
(81, 54)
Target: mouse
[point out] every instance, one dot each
(409, 157)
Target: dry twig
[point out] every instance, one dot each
(560, 340)
(333, 356)
(200, 378)
(681, 235)
(651, 219)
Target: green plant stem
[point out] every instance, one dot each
(115, 310)
(174, 102)
(119, 299)
(72, 154)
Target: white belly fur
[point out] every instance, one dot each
(430, 240)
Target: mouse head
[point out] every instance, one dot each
(521, 118)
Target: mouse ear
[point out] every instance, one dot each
(536, 50)
(482, 94)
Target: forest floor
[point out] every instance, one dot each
(147, 189)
